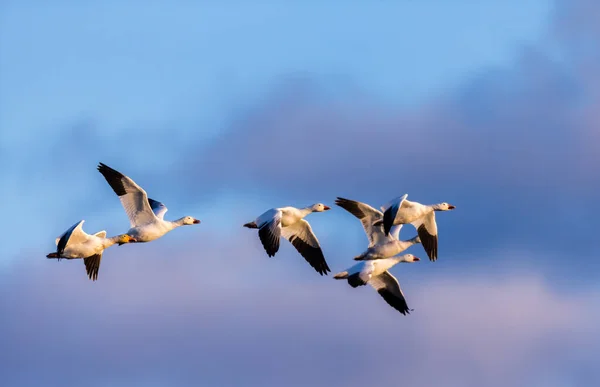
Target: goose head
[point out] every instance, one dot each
(444, 207)
(125, 238)
(409, 258)
(319, 207)
(187, 220)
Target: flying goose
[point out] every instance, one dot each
(380, 245)
(422, 217)
(375, 273)
(146, 216)
(289, 222)
(76, 243)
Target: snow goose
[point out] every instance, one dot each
(76, 243)
(146, 215)
(375, 273)
(422, 217)
(380, 245)
(289, 222)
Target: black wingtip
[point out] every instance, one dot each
(269, 241)
(313, 255)
(388, 221)
(323, 269)
(429, 243)
(113, 178)
(352, 206)
(92, 266)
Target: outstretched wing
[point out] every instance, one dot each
(395, 232)
(388, 287)
(269, 230)
(133, 198)
(390, 210)
(427, 230)
(368, 216)
(92, 265)
(158, 208)
(302, 237)
(73, 235)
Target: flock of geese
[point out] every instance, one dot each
(147, 223)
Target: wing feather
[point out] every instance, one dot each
(74, 235)
(302, 237)
(158, 208)
(92, 265)
(389, 289)
(390, 210)
(395, 232)
(269, 231)
(133, 198)
(369, 217)
(427, 231)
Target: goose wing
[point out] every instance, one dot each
(360, 274)
(395, 232)
(388, 287)
(158, 208)
(368, 216)
(73, 235)
(269, 230)
(133, 198)
(427, 231)
(390, 210)
(92, 265)
(302, 237)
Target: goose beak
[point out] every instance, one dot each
(451, 207)
(325, 208)
(132, 240)
(196, 221)
(416, 259)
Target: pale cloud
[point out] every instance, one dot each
(190, 315)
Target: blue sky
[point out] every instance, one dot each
(222, 111)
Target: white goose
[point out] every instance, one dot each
(422, 217)
(375, 273)
(289, 222)
(76, 243)
(380, 245)
(145, 215)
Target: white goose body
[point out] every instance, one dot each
(151, 231)
(380, 245)
(401, 211)
(388, 249)
(288, 222)
(146, 216)
(289, 215)
(76, 243)
(376, 274)
(95, 244)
